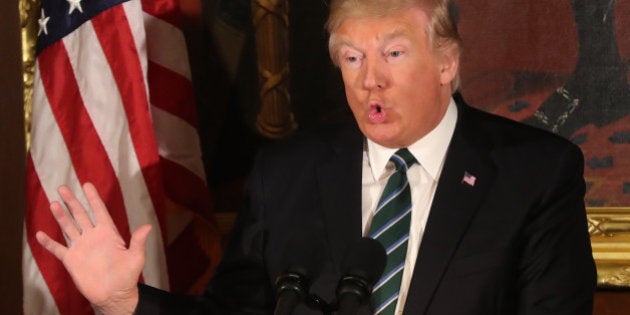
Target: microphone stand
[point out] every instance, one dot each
(315, 302)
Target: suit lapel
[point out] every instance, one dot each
(453, 207)
(339, 181)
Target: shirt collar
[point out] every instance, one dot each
(429, 150)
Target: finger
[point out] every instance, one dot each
(101, 215)
(66, 224)
(138, 241)
(51, 245)
(76, 208)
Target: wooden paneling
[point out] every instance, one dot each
(12, 166)
(612, 303)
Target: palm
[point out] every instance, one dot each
(104, 270)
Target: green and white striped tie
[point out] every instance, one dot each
(390, 226)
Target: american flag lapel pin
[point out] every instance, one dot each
(469, 179)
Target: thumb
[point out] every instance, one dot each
(139, 239)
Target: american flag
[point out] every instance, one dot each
(469, 179)
(112, 105)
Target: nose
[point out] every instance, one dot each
(374, 76)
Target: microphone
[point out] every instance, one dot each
(362, 266)
(292, 286)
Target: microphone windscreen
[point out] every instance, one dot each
(365, 259)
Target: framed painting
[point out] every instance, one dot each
(563, 66)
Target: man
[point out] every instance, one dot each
(488, 227)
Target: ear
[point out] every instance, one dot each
(449, 63)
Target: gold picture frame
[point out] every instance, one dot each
(609, 228)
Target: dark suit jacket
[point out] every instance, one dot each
(514, 243)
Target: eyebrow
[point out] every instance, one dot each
(348, 43)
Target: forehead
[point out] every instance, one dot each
(410, 24)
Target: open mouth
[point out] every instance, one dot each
(377, 113)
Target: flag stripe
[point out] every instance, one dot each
(165, 10)
(171, 54)
(172, 93)
(181, 147)
(184, 187)
(48, 146)
(35, 288)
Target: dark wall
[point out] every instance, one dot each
(316, 88)
(12, 166)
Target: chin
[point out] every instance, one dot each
(381, 134)
(384, 140)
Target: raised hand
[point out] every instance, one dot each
(103, 268)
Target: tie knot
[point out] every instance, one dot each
(403, 159)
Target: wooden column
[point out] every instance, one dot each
(271, 22)
(12, 159)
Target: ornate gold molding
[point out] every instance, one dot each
(271, 24)
(29, 26)
(610, 238)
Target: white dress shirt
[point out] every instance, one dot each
(423, 176)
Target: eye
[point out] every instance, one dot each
(395, 53)
(351, 60)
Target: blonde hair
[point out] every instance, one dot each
(441, 29)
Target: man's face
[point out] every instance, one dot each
(396, 84)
